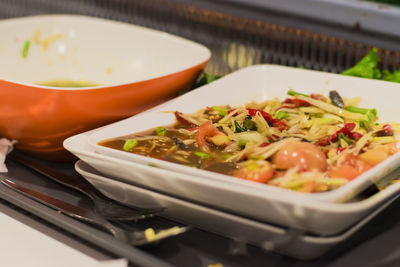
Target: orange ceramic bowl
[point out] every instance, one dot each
(125, 69)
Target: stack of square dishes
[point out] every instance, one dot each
(300, 225)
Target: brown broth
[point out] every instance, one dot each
(68, 83)
(168, 150)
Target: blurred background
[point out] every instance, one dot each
(327, 35)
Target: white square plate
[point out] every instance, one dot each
(259, 83)
(290, 211)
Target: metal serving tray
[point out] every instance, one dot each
(285, 241)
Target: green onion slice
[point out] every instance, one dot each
(341, 136)
(282, 114)
(25, 49)
(161, 131)
(202, 155)
(242, 142)
(129, 144)
(222, 111)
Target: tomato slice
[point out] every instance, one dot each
(260, 171)
(350, 168)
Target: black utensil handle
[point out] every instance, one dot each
(76, 183)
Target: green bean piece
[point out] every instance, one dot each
(357, 110)
(291, 92)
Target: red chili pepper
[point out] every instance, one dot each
(346, 130)
(294, 103)
(280, 124)
(275, 136)
(253, 112)
(323, 141)
(183, 121)
(387, 130)
(318, 97)
(192, 129)
(354, 135)
(340, 149)
(230, 111)
(264, 144)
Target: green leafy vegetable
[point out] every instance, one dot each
(206, 78)
(391, 77)
(25, 49)
(391, 2)
(238, 128)
(367, 67)
(129, 144)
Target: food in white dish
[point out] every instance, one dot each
(308, 143)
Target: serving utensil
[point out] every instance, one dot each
(103, 206)
(135, 238)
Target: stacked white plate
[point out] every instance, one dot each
(299, 224)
